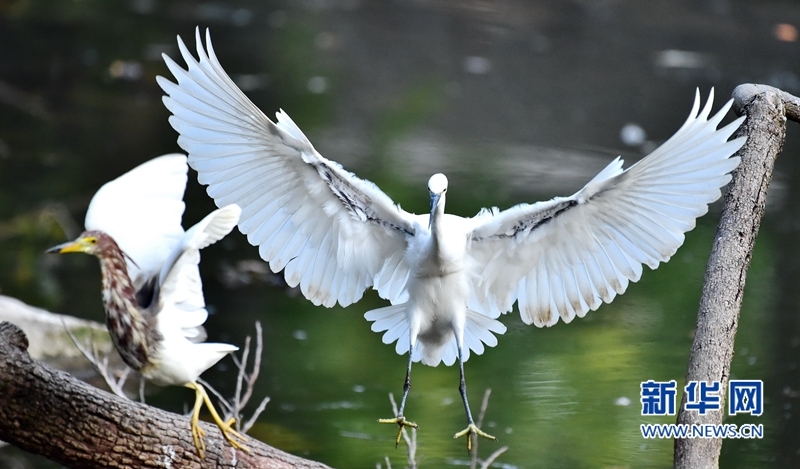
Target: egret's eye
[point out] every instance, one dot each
(92, 240)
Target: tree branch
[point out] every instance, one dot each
(47, 412)
(718, 315)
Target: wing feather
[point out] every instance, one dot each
(181, 305)
(564, 257)
(301, 209)
(153, 191)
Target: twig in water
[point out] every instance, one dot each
(474, 456)
(493, 456)
(411, 441)
(233, 407)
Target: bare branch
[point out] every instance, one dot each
(249, 424)
(100, 363)
(228, 409)
(251, 382)
(240, 378)
(233, 407)
(484, 405)
(493, 456)
(411, 442)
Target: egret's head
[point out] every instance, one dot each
(90, 242)
(437, 186)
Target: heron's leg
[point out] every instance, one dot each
(224, 427)
(197, 432)
(471, 427)
(400, 420)
(228, 433)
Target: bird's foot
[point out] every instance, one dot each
(232, 435)
(401, 422)
(469, 431)
(197, 436)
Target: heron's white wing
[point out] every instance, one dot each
(181, 306)
(333, 233)
(566, 256)
(142, 211)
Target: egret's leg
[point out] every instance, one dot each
(407, 383)
(400, 420)
(225, 428)
(471, 427)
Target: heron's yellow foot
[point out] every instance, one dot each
(226, 428)
(197, 436)
(469, 431)
(401, 422)
(232, 435)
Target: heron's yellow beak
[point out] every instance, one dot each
(78, 245)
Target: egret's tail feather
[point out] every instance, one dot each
(480, 330)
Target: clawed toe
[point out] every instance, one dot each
(401, 422)
(232, 436)
(469, 431)
(197, 437)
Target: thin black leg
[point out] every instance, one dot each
(407, 384)
(471, 427)
(399, 419)
(462, 388)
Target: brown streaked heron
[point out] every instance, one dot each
(447, 278)
(152, 292)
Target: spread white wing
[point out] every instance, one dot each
(142, 211)
(181, 305)
(566, 256)
(333, 233)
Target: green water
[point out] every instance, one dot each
(386, 88)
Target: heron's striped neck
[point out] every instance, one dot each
(131, 331)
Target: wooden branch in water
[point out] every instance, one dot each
(50, 413)
(718, 317)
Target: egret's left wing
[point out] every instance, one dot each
(333, 233)
(142, 211)
(181, 305)
(566, 256)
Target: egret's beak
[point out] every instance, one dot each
(71, 246)
(435, 198)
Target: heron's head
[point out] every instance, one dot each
(437, 186)
(89, 242)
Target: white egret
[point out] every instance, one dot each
(152, 292)
(448, 278)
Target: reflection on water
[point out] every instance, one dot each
(515, 101)
(546, 394)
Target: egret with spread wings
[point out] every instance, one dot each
(448, 278)
(152, 292)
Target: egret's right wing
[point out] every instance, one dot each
(333, 233)
(142, 211)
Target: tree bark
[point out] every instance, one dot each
(718, 317)
(47, 412)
